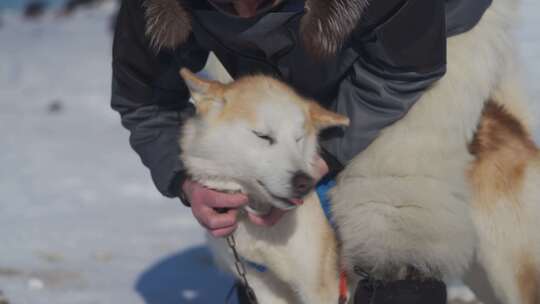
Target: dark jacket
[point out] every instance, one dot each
(369, 62)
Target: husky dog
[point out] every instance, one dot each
(257, 136)
(428, 192)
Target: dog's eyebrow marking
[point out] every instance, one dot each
(266, 137)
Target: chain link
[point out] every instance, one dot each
(241, 270)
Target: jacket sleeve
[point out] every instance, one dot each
(401, 49)
(150, 96)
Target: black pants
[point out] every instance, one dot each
(399, 292)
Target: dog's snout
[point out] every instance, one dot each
(302, 184)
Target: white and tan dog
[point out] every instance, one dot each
(257, 136)
(417, 197)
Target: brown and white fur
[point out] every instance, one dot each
(223, 149)
(417, 196)
(505, 176)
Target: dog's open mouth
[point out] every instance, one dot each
(284, 203)
(291, 203)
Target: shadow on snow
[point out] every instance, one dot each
(188, 276)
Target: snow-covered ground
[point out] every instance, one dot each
(80, 221)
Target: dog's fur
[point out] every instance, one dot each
(459, 173)
(223, 150)
(505, 176)
(405, 201)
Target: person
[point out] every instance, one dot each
(368, 60)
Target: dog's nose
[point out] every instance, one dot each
(302, 184)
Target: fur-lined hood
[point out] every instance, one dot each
(324, 28)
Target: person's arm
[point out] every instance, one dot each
(402, 52)
(150, 95)
(153, 102)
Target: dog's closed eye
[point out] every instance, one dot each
(266, 137)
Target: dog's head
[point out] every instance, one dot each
(257, 132)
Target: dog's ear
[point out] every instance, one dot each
(321, 118)
(202, 91)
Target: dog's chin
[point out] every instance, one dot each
(281, 203)
(266, 208)
(260, 195)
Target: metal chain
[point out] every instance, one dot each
(241, 270)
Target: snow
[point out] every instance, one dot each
(80, 221)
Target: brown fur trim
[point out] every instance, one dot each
(328, 23)
(324, 28)
(502, 148)
(168, 23)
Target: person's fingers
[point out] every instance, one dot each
(223, 232)
(226, 200)
(212, 220)
(267, 220)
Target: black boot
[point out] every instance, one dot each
(401, 292)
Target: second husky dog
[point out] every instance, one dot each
(404, 203)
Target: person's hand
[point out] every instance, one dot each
(270, 219)
(215, 211)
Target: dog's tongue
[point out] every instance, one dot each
(296, 201)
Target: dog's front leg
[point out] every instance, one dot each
(308, 261)
(300, 251)
(267, 287)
